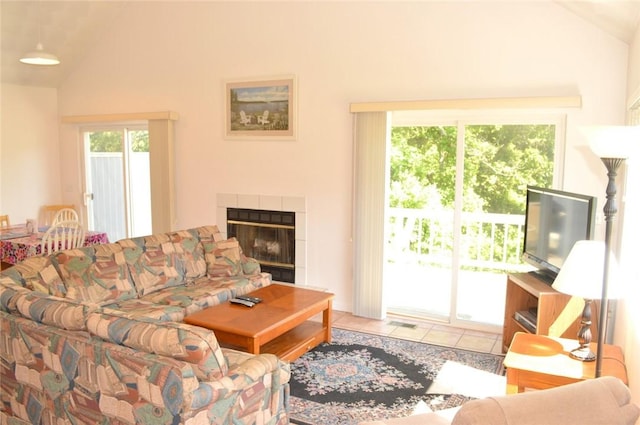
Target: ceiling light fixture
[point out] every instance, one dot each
(39, 56)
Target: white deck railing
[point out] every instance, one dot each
(488, 241)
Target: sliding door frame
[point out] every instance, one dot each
(161, 157)
(367, 227)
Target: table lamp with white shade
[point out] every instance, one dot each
(581, 276)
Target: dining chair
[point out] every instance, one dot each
(48, 213)
(65, 214)
(4, 220)
(62, 235)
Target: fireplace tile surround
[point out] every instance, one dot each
(296, 204)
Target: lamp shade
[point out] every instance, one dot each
(581, 275)
(611, 141)
(40, 57)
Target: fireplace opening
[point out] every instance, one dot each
(267, 236)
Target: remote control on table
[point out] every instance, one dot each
(242, 302)
(254, 300)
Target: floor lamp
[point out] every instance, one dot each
(613, 144)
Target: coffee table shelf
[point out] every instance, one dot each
(278, 325)
(291, 345)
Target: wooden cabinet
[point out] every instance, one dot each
(558, 315)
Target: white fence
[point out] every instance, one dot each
(109, 201)
(489, 241)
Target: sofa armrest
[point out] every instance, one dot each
(255, 390)
(9, 292)
(604, 400)
(36, 274)
(53, 311)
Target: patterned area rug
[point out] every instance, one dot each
(362, 377)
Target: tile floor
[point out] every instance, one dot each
(425, 331)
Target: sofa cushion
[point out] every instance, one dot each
(153, 263)
(249, 283)
(140, 308)
(37, 274)
(223, 257)
(190, 252)
(208, 233)
(221, 262)
(202, 293)
(601, 401)
(96, 274)
(192, 344)
(249, 265)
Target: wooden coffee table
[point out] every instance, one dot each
(279, 324)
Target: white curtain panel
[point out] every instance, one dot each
(371, 132)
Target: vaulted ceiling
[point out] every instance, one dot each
(66, 28)
(69, 28)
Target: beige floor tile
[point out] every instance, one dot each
(497, 347)
(450, 329)
(442, 337)
(412, 334)
(417, 323)
(481, 334)
(348, 320)
(476, 343)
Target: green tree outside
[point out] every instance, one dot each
(111, 141)
(499, 162)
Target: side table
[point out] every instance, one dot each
(540, 362)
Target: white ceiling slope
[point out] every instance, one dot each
(619, 18)
(69, 28)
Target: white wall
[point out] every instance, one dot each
(29, 151)
(175, 56)
(627, 328)
(633, 83)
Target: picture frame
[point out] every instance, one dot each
(261, 109)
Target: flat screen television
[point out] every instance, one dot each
(555, 220)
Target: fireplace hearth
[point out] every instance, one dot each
(267, 236)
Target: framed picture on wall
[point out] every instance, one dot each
(261, 109)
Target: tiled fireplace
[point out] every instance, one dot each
(271, 229)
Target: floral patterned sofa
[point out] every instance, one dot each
(95, 336)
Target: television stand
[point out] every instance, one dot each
(558, 315)
(545, 277)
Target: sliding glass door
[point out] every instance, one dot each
(117, 182)
(420, 217)
(455, 213)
